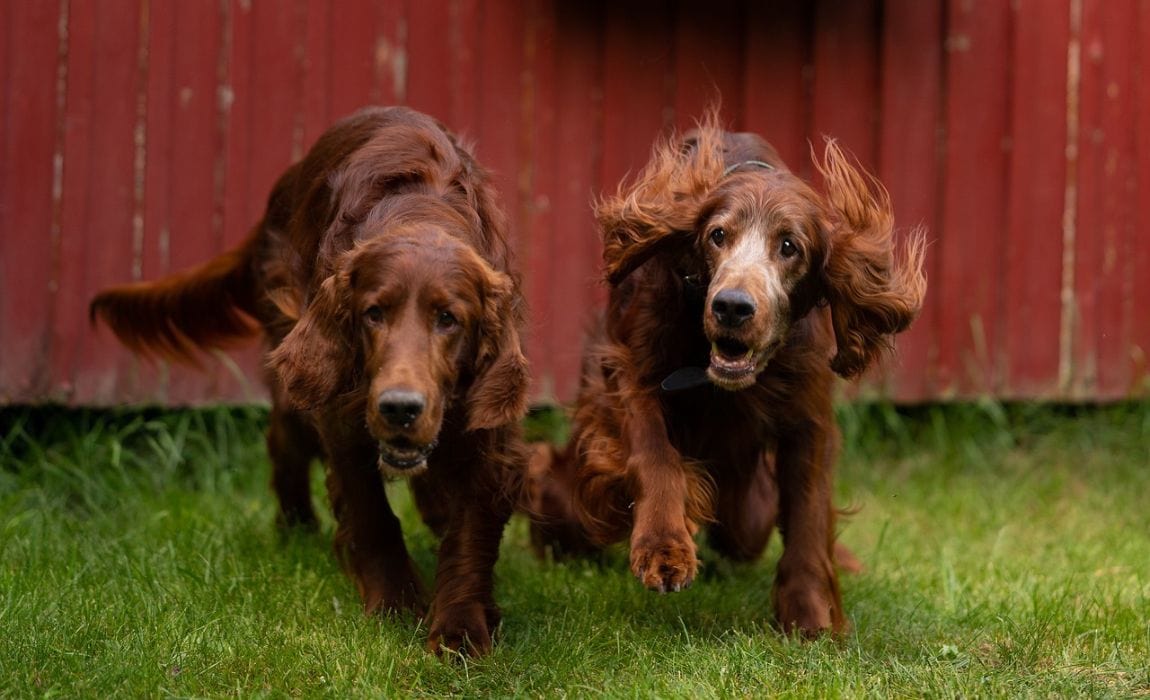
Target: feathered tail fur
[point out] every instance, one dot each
(209, 306)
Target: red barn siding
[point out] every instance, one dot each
(141, 137)
(29, 205)
(1036, 181)
(909, 155)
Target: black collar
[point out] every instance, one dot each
(685, 378)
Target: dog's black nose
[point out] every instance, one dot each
(732, 307)
(401, 408)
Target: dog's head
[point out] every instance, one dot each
(768, 248)
(410, 321)
(763, 238)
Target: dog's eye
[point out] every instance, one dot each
(788, 249)
(373, 314)
(718, 235)
(446, 321)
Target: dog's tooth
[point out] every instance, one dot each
(747, 357)
(715, 348)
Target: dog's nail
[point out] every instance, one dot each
(677, 587)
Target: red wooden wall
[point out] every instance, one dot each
(141, 136)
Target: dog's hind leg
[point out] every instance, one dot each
(292, 445)
(746, 509)
(548, 502)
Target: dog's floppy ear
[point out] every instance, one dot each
(312, 361)
(498, 395)
(873, 293)
(660, 208)
(630, 239)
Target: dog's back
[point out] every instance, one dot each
(312, 215)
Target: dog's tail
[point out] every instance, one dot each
(209, 306)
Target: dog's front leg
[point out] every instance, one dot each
(806, 591)
(663, 553)
(463, 613)
(368, 538)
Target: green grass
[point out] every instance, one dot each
(1007, 553)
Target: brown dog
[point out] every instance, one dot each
(382, 279)
(736, 293)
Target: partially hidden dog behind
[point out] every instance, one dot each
(382, 280)
(736, 293)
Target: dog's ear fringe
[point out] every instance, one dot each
(498, 395)
(663, 200)
(875, 287)
(314, 357)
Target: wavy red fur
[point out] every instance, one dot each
(167, 318)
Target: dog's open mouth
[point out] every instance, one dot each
(401, 457)
(734, 364)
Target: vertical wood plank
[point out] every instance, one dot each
(244, 189)
(96, 219)
(157, 143)
(464, 85)
(273, 122)
(1106, 226)
(351, 62)
(1139, 350)
(429, 59)
(1031, 316)
(28, 67)
(844, 102)
(575, 292)
(844, 91)
(194, 234)
(316, 49)
(244, 198)
(908, 163)
(974, 195)
(390, 59)
(775, 99)
(638, 65)
(503, 135)
(536, 250)
(709, 60)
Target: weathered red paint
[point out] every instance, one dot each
(170, 121)
(1107, 223)
(32, 124)
(968, 283)
(908, 162)
(1030, 326)
(776, 77)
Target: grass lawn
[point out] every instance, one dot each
(1007, 553)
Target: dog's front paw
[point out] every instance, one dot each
(463, 629)
(664, 563)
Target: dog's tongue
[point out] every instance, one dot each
(685, 378)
